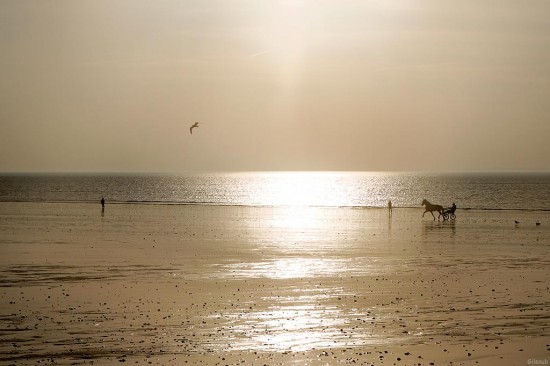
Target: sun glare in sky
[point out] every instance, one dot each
(288, 35)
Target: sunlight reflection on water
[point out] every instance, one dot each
(296, 328)
(329, 189)
(301, 267)
(296, 323)
(304, 313)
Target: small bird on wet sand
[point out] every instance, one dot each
(537, 223)
(196, 124)
(516, 221)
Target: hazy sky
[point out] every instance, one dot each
(276, 85)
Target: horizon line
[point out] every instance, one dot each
(206, 172)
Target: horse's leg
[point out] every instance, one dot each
(424, 213)
(432, 214)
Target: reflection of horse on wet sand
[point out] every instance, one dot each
(431, 208)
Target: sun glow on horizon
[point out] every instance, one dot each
(305, 188)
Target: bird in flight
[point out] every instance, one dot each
(196, 124)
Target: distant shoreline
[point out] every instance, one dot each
(216, 204)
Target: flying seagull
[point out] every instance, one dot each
(196, 124)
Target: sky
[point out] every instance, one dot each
(379, 85)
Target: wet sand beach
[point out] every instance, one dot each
(236, 285)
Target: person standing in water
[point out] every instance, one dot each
(389, 207)
(103, 203)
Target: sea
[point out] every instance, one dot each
(474, 191)
(295, 268)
